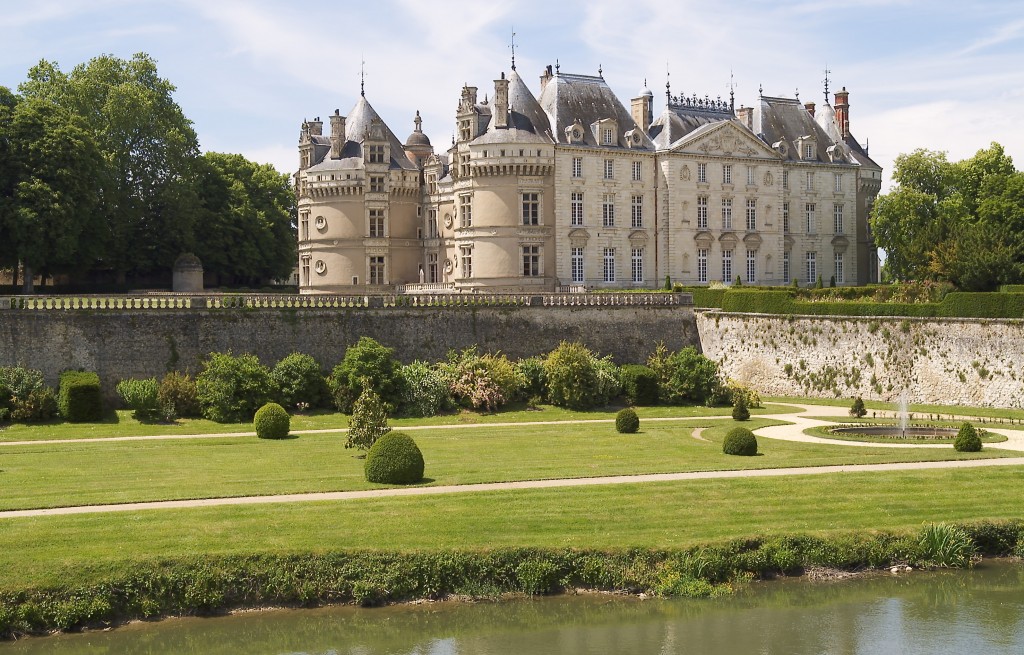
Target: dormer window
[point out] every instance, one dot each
(376, 155)
(574, 133)
(606, 132)
(808, 151)
(606, 136)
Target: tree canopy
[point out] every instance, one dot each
(959, 222)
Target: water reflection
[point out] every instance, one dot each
(981, 611)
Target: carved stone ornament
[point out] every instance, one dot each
(769, 179)
(684, 173)
(448, 220)
(448, 266)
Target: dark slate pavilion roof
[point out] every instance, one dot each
(681, 118)
(786, 119)
(586, 98)
(527, 122)
(357, 127)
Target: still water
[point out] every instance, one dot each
(978, 612)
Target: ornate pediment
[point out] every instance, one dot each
(725, 139)
(840, 243)
(728, 240)
(704, 239)
(752, 241)
(788, 242)
(579, 236)
(638, 236)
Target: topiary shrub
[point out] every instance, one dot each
(272, 422)
(298, 379)
(857, 409)
(639, 384)
(740, 441)
(394, 459)
(178, 397)
(79, 399)
(140, 396)
(739, 410)
(626, 421)
(230, 389)
(967, 439)
(369, 421)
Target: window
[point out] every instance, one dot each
(785, 179)
(608, 210)
(531, 261)
(464, 133)
(785, 218)
(432, 267)
(751, 214)
(751, 173)
(702, 212)
(637, 264)
(726, 173)
(726, 213)
(837, 217)
(432, 224)
(840, 273)
(810, 181)
(726, 266)
(638, 211)
(606, 136)
(305, 270)
(466, 254)
(609, 264)
(702, 264)
(377, 223)
(376, 155)
(811, 268)
(809, 213)
(466, 211)
(577, 264)
(637, 171)
(531, 208)
(808, 151)
(377, 270)
(785, 267)
(464, 165)
(839, 182)
(576, 216)
(609, 169)
(702, 173)
(751, 266)
(376, 183)
(577, 166)
(304, 226)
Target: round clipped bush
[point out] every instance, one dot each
(272, 422)
(626, 421)
(967, 439)
(394, 459)
(740, 441)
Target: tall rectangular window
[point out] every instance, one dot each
(376, 183)
(785, 179)
(576, 209)
(751, 176)
(839, 182)
(466, 257)
(809, 215)
(726, 213)
(606, 136)
(751, 214)
(304, 271)
(785, 217)
(377, 270)
(609, 169)
(785, 267)
(608, 210)
(727, 266)
(702, 212)
(811, 267)
(751, 266)
(577, 264)
(577, 166)
(637, 171)
(531, 208)
(531, 261)
(609, 264)
(304, 226)
(637, 264)
(837, 218)
(840, 273)
(637, 212)
(702, 264)
(466, 211)
(726, 173)
(432, 224)
(377, 223)
(810, 181)
(808, 151)
(432, 267)
(702, 173)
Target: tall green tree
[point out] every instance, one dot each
(8, 176)
(149, 150)
(247, 221)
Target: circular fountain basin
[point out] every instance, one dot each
(896, 432)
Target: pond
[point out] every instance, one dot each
(920, 613)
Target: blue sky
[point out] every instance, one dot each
(942, 75)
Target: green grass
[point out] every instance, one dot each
(70, 550)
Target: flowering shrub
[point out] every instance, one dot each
(487, 381)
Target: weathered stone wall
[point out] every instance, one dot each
(948, 361)
(120, 344)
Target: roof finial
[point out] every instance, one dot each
(668, 87)
(600, 71)
(558, 67)
(513, 46)
(732, 92)
(760, 90)
(798, 93)
(827, 71)
(362, 78)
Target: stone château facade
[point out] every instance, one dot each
(571, 188)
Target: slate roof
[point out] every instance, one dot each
(527, 122)
(357, 126)
(586, 98)
(677, 122)
(826, 117)
(786, 119)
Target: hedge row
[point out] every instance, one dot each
(955, 305)
(213, 584)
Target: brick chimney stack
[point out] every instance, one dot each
(842, 107)
(746, 116)
(809, 106)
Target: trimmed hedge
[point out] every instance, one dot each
(272, 422)
(957, 304)
(639, 384)
(967, 440)
(626, 421)
(79, 399)
(394, 459)
(740, 441)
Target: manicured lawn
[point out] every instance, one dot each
(919, 410)
(74, 549)
(53, 475)
(825, 433)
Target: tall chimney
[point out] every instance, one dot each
(316, 127)
(546, 77)
(746, 116)
(843, 111)
(337, 134)
(809, 106)
(642, 110)
(501, 102)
